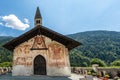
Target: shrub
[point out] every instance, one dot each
(98, 61)
(115, 63)
(6, 64)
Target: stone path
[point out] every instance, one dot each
(10, 77)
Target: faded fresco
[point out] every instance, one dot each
(39, 42)
(56, 55)
(23, 49)
(26, 61)
(22, 54)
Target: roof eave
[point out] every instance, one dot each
(68, 42)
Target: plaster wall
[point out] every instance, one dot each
(56, 56)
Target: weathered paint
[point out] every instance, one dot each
(57, 58)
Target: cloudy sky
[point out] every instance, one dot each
(63, 16)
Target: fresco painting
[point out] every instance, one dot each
(26, 49)
(56, 54)
(67, 57)
(18, 50)
(39, 42)
(19, 61)
(26, 61)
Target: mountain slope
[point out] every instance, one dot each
(104, 45)
(5, 55)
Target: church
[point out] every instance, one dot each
(41, 51)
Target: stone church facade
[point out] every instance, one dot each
(41, 51)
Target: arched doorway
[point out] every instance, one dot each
(39, 65)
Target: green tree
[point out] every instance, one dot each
(104, 45)
(6, 64)
(77, 60)
(98, 61)
(115, 63)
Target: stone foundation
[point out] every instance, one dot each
(55, 71)
(21, 70)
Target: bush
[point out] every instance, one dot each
(115, 63)
(98, 61)
(6, 64)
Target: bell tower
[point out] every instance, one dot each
(38, 18)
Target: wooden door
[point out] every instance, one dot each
(39, 65)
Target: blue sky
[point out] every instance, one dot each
(63, 16)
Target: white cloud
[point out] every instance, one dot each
(13, 22)
(26, 21)
(1, 24)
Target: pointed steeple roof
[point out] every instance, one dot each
(38, 14)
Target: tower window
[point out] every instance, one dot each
(38, 22)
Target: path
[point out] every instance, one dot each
(10, 77)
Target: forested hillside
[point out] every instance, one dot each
(104, 45)
(5, 55)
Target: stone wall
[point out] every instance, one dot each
(4, 70)
(101, 70)
(57, 58)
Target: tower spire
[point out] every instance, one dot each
(38, 18)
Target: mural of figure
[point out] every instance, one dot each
(19, 61)
(56, 51)
(39, 42)
(26, 49)
(57, 54)
(28, 61)
(18, 50)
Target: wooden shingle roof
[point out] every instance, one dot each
(41, 30)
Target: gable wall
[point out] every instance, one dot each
(56, 56)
